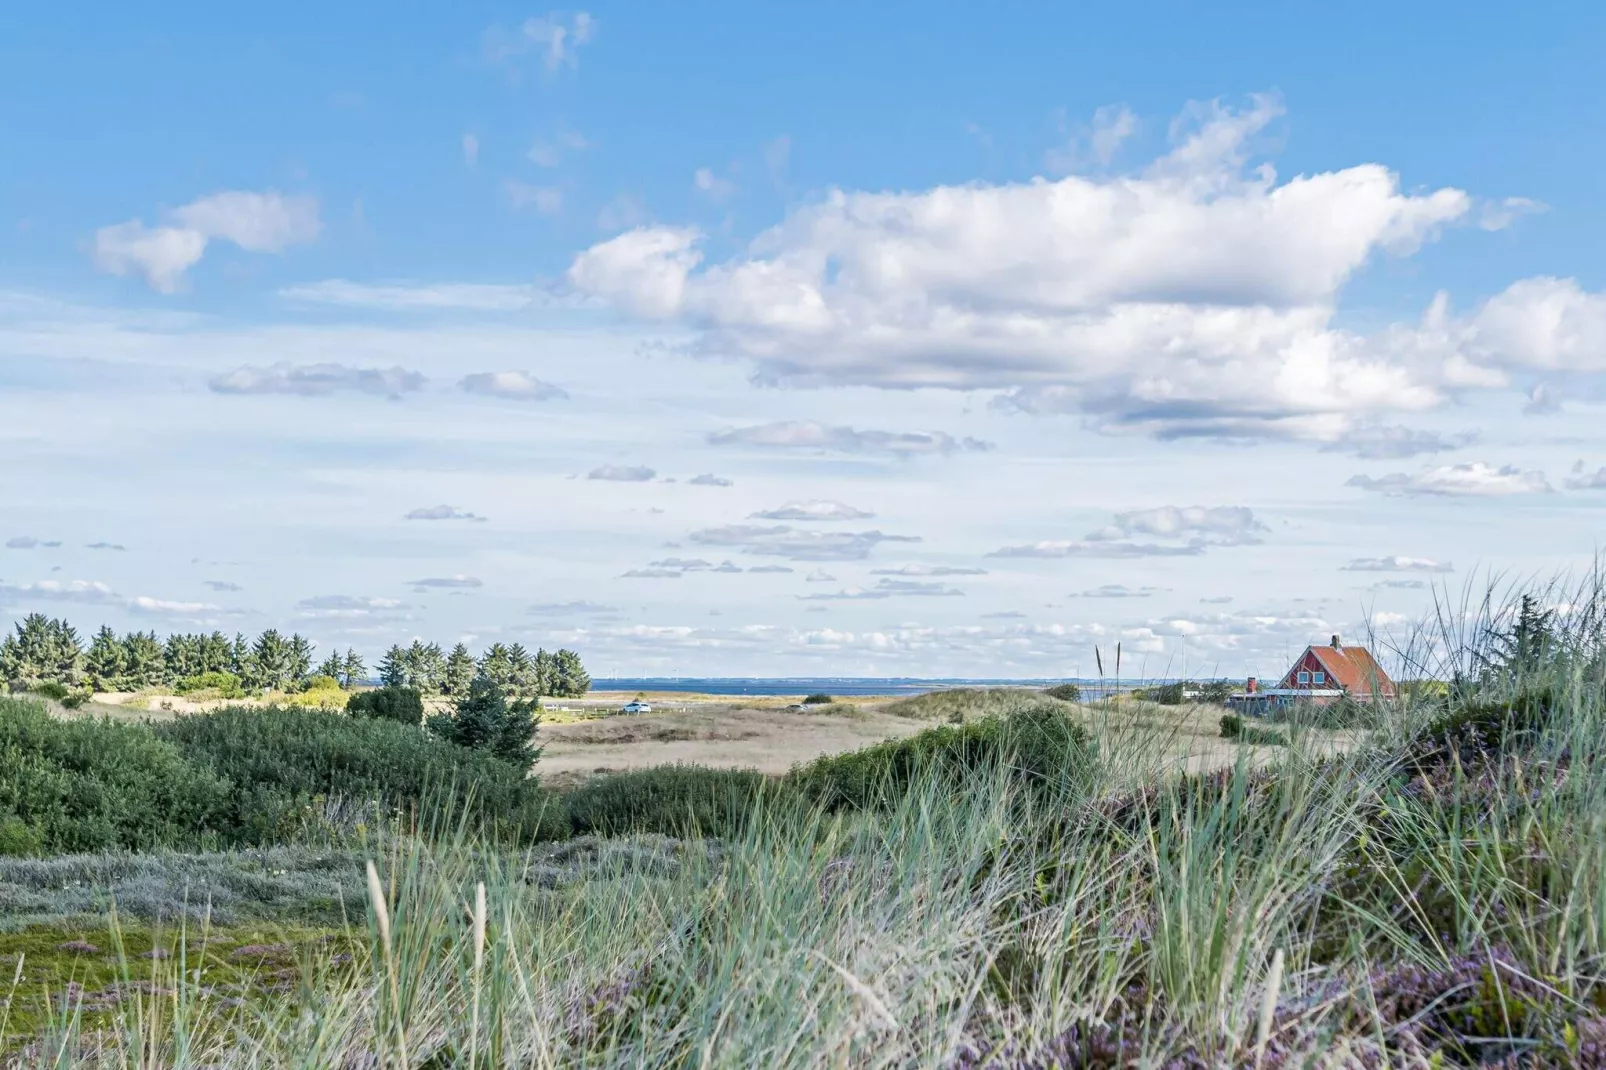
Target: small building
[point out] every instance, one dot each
(1320, 676)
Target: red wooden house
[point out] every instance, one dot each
(1322, 674)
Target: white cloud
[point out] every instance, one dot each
(1543, 400)
(89, 592)
(222, 585)
(1116, 590)
(819, 575)
(257, 222)
(1473, 479)
(458, 582)
(348, 607)
(809, 435)
(1186, 531)
(623, 212)
(1145, 300)
(28, 542)
(570, 609)
(813, 510)
(555, 37)
(161, 607)
(546, 200)
(712, 186)
(471, 150)
(709, 479)
(1397, 563)
(441, 512)
(886, 588)
(771, 568)
(618, 473)
(928, 570)
(1097, 142)
(653, 574)
(1498, 215)
(796, 545)
(103, 545)
(1372, 441)
(515, 385)
(419, 297)
(310, 380)
(1584, 480)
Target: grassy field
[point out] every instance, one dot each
(1428, 893)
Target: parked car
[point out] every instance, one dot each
(636, 707)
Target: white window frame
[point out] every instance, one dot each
(1302, 677)
(1319, 679)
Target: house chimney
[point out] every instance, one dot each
(1249, 687)
(1336, 644)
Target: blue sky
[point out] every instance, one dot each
(1079, 322)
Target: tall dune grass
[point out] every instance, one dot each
(1436, 897)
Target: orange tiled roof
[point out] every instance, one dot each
(1354, 668)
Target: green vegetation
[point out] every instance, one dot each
(48, 652)
(1064, 692)
(1235, 728)
(995, 893)
(403, 705)
(958, 703)
(485, 720)
(818, 699)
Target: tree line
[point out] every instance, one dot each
(44, 650)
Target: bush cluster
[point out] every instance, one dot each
(238, 776)
(1234, 727)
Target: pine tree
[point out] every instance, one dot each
(298, 661)
(459, 672)
(216, 654)
(42, 650)
(572, 680)
(496, 665)
(353, 671)
(331, 666)
(242, 664)
(393, 669)
(485, 719)
(182, 655)
(546, 673)
(426, 667)
(105, 663)
(271, 656)
(146, 660)
(521, 671)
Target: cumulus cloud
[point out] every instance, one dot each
(1184, 531)
(928, 570)
(709, 479)
(653, 574)
(1397, 563)
(797, 545)
(1471, 480)
(162, 607)
(771, 568)
(684, 564)
(555, 38)
(28, 542)
(1394, 585)
(222, 585)
(421, 296)
(809, 435)
(1143, 300)
(622, 473)
(345, 605)
(569, 609)
(442, 512)
(819, 575)
(1543, 400)
(309, 380)
(256, 222)
(712, 186)
(515, 385)
(813, 510)
(886, 588)
(87, 592)
(1116, 590)
(104, 546)
(1373, 441)
(1584, 480)
(458, 582)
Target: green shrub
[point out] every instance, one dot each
(281, 759)
(226, 684)
(1233, 727)
(401, 704)
(95, 785)
(1064, 692)
(51, 689)
(485, 720)
(674, 800)
(1038, 746)
(322, 683)
(819, 698)
(76, 699)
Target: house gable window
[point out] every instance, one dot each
(1303, 677)
(1318, 678)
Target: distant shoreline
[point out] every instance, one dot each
(891, 687)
